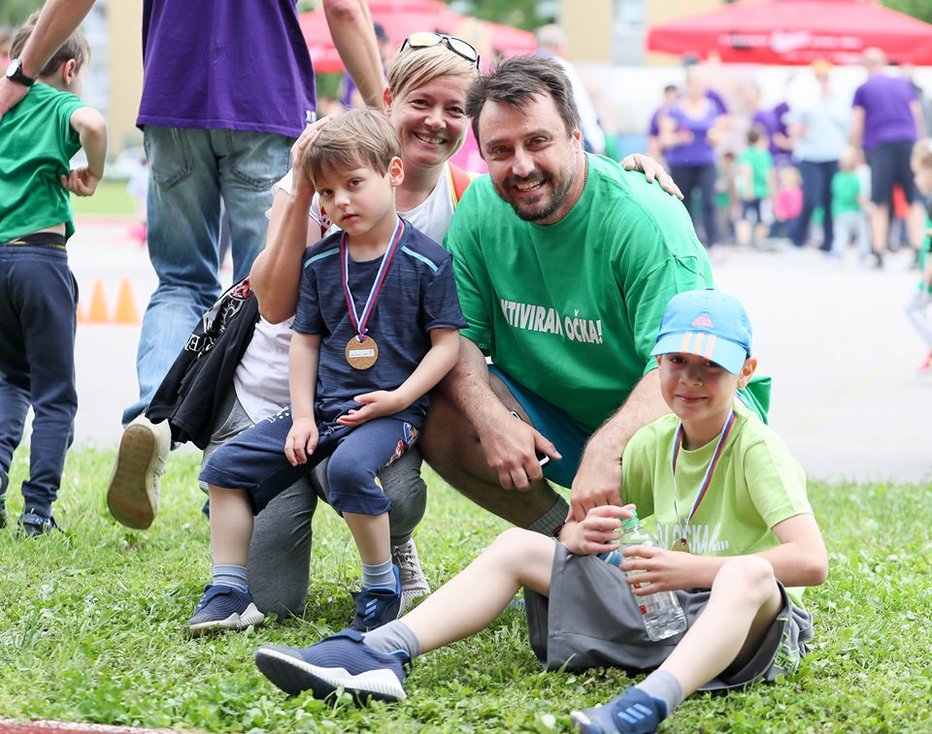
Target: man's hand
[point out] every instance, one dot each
(598, 532)
(80, 182)
(511, 448)
(374, 405)
(11, 94)
(301, 441)
(651, 170)
(597, 481)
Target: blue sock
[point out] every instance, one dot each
(228, 574)
(378, 575)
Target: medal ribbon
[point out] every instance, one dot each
(359, 322)
(707, 479)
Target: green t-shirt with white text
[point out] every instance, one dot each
(572, 310)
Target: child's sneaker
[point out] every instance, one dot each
(133, 493)
(633, 712)
(32, 525)
(413, 582)
(224, 608)
(375, 607)
(342, 661)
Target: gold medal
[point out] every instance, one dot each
(361, 355)
(681, 545)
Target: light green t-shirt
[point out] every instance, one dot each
(846, 188)
(37, 143)
(760, 162)
(572, 310)
(755, 485)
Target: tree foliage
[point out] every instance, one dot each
(921, 9)
(14, 12)
(518, 13)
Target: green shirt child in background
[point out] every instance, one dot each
(755, 185)
(38, 293)
(735, 503)
(849, 206)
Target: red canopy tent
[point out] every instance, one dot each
(796, 32)
(399, 18)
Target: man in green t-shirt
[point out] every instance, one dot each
(564, 264)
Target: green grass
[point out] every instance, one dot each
(92, 627)
(111, 198)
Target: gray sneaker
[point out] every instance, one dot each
(133, 494)
(413, 582)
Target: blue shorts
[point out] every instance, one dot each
(255, 461)
(567, 435)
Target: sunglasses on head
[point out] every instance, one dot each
(427, 39)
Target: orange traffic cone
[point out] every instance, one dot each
(98, 313)
(126, 312)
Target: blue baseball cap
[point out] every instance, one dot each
(709, 324)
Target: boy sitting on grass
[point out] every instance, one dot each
(377, 327)
(38, 292)
(722, 487)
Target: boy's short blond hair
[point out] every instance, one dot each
(75, 47)
(354, 139)
(414, 67)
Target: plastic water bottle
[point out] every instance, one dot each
(662, 614)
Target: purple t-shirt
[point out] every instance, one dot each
(887, 114)
(225, 64)
(698, 152)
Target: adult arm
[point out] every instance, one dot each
(916, 108)
(57, 21)
(598, 480)
(353, 35)
(92, 132)
(651, 167)
(510, 446)
(856, 131)
(276, 271)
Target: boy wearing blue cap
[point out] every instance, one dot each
(736, 542)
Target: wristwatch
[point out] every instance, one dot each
(14, 72)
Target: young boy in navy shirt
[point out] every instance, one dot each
(377, 327)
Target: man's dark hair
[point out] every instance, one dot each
(516, 81)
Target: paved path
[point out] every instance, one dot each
(832, 335)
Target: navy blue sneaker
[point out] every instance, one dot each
(32, 525)
(343, 661)
(224, 608)
(375, 607)
(633, 712)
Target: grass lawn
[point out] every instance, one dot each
(111, 198)
(92, 627)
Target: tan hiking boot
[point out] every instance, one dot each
(413, 582)
(133, 494)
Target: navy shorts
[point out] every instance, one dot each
(255, 461)
(889, 163)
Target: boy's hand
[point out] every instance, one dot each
(81, 182)
(598, 532)
(374, 405)
(299, 148)
(663, 570)
(301, 441)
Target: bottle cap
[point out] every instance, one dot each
(631, 522)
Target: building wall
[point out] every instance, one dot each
(124, 22)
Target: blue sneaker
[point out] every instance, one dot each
(375, 607)
(224, 608)
(342, 661)
(633, 712)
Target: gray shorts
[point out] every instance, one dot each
(591, 619)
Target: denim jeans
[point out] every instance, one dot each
(817, 191)
(190, 171)
(38, 297)
(689, 178)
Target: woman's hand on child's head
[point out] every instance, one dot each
(374, 405)
(598, 532)
(301, 441)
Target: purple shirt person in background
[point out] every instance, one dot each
(886, 121)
